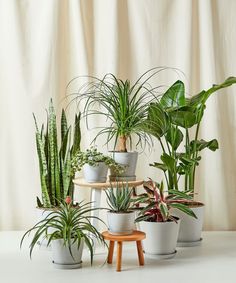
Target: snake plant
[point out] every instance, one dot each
(55, 155)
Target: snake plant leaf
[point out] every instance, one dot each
(200, 99)
(77, 135)
(185, 117)
(157, 122)
(174, 96)
(64, 126)
(174, 136)
(199, 145)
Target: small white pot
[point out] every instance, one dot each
(62, 258)
(129, 161)
(161, 238)
(120, 223)
(94, 174)
(190, 227)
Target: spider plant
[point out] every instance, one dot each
(170, 121)
(119, 199)
(125, 106)
(158, 203)
(55, 155)
(69, 223)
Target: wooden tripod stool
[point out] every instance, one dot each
(137, 236)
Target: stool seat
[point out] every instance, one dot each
(137, 236)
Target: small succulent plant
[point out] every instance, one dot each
(119, 198)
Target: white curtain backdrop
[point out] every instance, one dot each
(44, 44)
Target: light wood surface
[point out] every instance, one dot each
(119, 256)
(110, 253)
(140, 252)
(82, 183)
(135, 236)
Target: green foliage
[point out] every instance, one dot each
(125, 106)
(169, 120)
(93, 157)
(55, 156)
(70, 223)
(157, 203)
(119, 199)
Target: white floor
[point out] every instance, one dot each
(214, 261)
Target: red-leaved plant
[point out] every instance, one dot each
(158, 203)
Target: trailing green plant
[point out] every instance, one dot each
(70, 223)
(125, 106)
(158, 203)
(119, 198)
(93, 157)
(54, 155)
(170, 121)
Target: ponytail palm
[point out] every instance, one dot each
(125, 106)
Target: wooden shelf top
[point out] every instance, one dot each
(135, 236)
(82, 183)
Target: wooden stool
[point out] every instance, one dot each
(137, 236)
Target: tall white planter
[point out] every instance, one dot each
(161, 238)
(120, 223)
(62, 258)
(129, 161)
(190, 228)
(95, 174)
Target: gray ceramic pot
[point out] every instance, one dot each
(95, 174)
(120, 223)
(62, 258)
(190, 228)
(161, 238)
(129, 161)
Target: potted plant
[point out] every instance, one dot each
(175, 120)
(125, 106)
(120, 217)
(95, 165)
(55, 156)
(67, 229)
(156, 220)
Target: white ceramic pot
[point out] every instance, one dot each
(62, 258)
(129, 161)
(95, 174)
(120, 223)
(161, 238)
(190, 228)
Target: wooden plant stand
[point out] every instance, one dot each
(137, 236)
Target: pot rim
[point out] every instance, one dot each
(166, 222)
(116, 151)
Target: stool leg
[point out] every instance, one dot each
(140, 252)
(110, 252)
(119, 256)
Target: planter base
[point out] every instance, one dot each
(121, 233)
(156, 256)
(67, 266)
(122, 178)
(189, 244)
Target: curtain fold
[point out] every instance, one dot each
(45, 44)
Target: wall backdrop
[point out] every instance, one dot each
(44, 44)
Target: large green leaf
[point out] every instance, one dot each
(201, 144)
(168, 161)
(160, 166)
(174, 136)
(174, 96)
(157, 122)
(201, 98)
(184, 208)
(184, 117)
